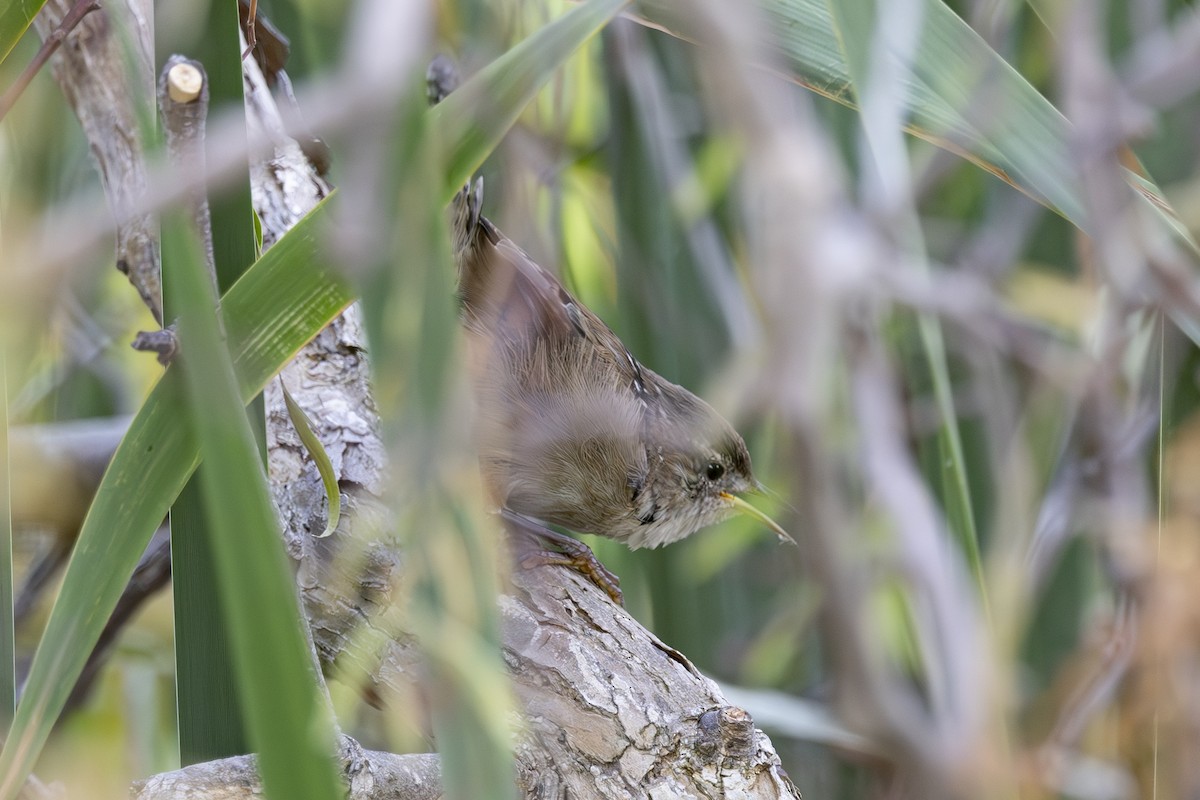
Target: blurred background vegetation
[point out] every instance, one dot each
(622, 177)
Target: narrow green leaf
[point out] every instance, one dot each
(290, 729)
(203, 662)
(203, 658)
(470, 708)
(474, 118)
(278, 305)
(412, 322)
(320, 458)
(15, 18)
(231, 209)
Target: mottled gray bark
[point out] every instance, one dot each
(610, 711)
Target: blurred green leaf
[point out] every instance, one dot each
(412, 323)
(15, 18)
(962, 96)
(475, 117)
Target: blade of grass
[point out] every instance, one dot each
(290, 728)
(203, 657)
(203, 664)
(455, 620)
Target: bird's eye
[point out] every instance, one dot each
(714, 470)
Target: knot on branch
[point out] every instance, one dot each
(726, 732)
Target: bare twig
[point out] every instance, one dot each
(250, 28)
(271, 47)
(164, 342)
(183, 103)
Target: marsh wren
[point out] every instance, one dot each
(573, 430)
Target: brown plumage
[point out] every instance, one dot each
(573, 430)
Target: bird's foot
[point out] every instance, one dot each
(530, 536)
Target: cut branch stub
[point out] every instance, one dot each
(184, 82)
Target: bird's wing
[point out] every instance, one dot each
(508, 295)
(503, 291)
(503, 288)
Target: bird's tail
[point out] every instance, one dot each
(466, 221)
(465, 217)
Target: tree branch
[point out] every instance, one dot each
(107, 99)
(369, 774)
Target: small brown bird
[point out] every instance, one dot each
(573, 430)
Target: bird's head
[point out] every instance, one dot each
(700, 469)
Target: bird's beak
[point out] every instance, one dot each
(745, 508)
